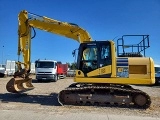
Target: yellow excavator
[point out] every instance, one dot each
(102, 77)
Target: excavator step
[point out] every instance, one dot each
(16, 85)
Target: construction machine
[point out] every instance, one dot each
(102, 78)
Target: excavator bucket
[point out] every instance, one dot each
(16, 85)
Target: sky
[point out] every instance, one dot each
(103, 19)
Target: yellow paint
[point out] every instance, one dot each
(138, 81)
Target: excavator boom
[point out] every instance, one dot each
(29, 20)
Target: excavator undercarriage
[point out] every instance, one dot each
(104, 95)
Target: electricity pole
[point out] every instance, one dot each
(2, 54)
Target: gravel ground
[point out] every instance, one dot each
(43, 99)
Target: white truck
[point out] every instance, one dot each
(157, 74)
(50, 70)
(10, 67)
(2, 70)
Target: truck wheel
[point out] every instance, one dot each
(55, 78)
(64, 76)
(2, 75)
(58, 77)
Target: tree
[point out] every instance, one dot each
(73, 66)
(69, 65)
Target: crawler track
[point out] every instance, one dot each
(104, 95)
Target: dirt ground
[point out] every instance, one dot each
(44, 99)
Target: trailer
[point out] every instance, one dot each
(10, 67)
(32, 68)
(62, 70)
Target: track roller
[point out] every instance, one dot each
(142, 100)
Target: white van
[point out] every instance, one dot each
(157, 74)
(2, 70)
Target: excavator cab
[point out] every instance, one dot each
(92, 56)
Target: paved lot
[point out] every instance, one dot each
(41, 103)
(31, 115)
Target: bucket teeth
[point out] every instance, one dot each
(16, 85)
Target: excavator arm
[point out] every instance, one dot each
(26, 22)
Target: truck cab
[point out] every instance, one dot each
(50, 70)
(46, 70)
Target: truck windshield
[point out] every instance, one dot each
(45, 64)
